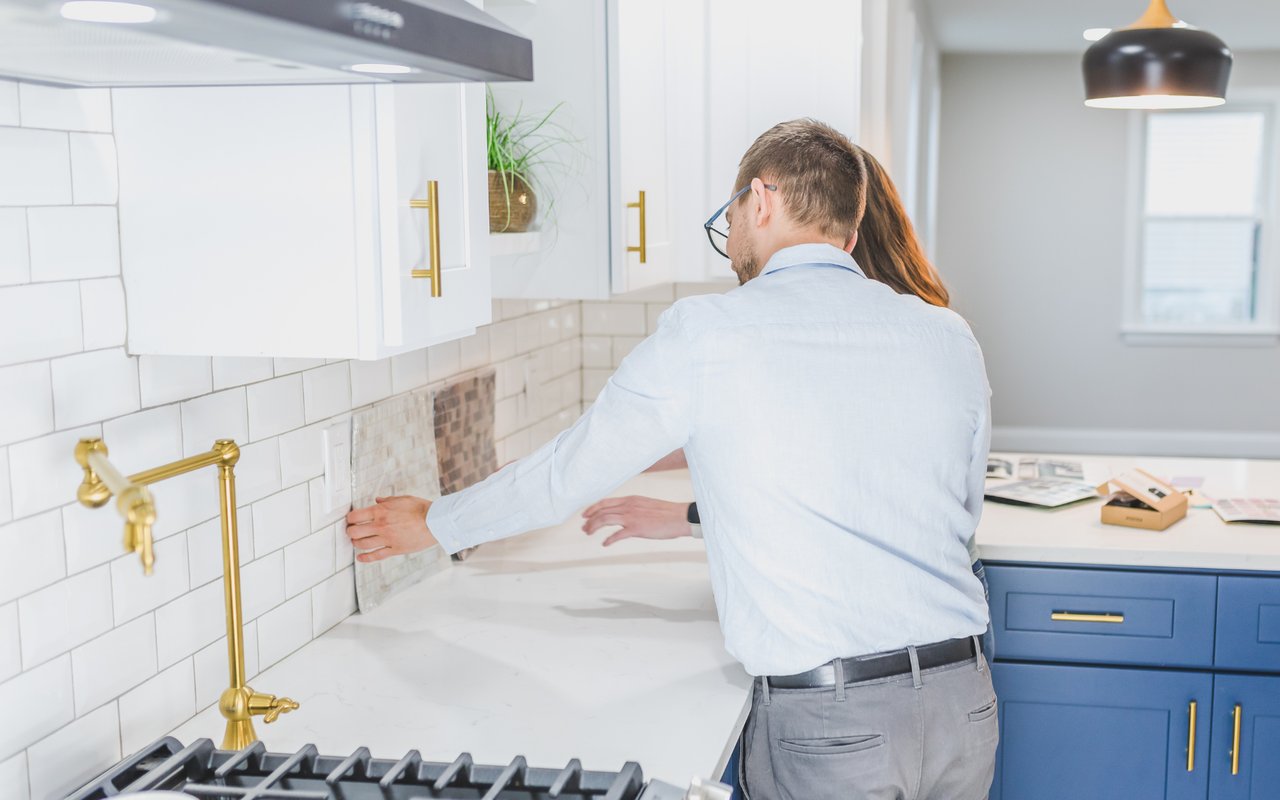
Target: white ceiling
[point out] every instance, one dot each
(1029, 26)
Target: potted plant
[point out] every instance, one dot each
(518, 144)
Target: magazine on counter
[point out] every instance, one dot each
(1045, 493)
(1264, 510)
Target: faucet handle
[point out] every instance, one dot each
(270, 707)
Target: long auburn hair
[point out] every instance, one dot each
(887, 249)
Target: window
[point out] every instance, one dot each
(1205, 220)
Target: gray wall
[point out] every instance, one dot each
(1031, 226)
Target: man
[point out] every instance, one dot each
(836, 434)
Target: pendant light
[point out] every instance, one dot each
(1157, 62)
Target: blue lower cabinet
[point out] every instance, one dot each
(1246, 718)
(730, 776)
(1103, 733)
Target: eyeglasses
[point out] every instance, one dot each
(720, 239)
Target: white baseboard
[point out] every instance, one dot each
(1104, 441)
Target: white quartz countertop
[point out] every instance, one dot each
(1075, 534)
(546, 645)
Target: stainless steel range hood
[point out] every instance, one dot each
(249, 42)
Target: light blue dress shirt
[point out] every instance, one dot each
(837, 436)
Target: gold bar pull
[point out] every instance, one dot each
(642, 249)
(1191, 737)
(432, 205)
(1235, 741)
(1072, 616)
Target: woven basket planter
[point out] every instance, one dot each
(513, 211)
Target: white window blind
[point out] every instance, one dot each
(1203, 213)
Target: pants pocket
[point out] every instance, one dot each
(986, 711)
(834, 746)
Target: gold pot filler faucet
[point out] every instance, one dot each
(239, 703)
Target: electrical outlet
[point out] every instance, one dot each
(337, 466)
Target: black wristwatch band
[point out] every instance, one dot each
(692, 514)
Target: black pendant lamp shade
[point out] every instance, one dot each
(1158, 62)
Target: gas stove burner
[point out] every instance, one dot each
(206, 773)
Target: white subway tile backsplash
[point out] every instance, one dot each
(528, 334)
(36, 166)
(14, 264)
(71, 242)
(102, 302)
(326, 391)
(660, 293)
(502, 341)
(514, 308)
(308, 561)
(76, 754)
(281, 519)
(43, 472)
(262, 584)
(258, 472)
(144, 440)
(6, 505)
(474, 350)
(64, 615)
(92, 536)
(38, 321)
(370, 381)
(26, 395)
(65, 109)
(10, 648)
(284, 366)
(168, 379)
(275, 406)
(190, 622)
(593, 381)
(204, 546)
(570, 322)
(157, 706)
(228, 372)
(613, 319)
(133, 592)
(333, 601)
(13, 773)
(302, 454)
(409, 371)
(94, 386)
(93, 168)
(108, 666)
(221, 415)
(652, 314)
(36, 703)
(284, 629)
(563, 359)
(185, 501)
(37, 559)
(344, 552)
(9, 103)
(506, 416)
(443, 361)
(211, 666)
(622, 347)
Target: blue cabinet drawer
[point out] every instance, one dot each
(1248, 624)
(1102, 616)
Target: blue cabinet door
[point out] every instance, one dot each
(1248, 623)
(1255, 773)
(1103, 733)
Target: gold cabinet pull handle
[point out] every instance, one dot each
(1235, 741)
(1191, 736)
(1072, 616)
(432, 205)
(642, 249)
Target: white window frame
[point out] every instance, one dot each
(1264, 330)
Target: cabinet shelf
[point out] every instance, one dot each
(515, 244)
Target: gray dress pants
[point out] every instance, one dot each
(928, 735)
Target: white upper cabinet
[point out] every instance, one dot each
(627, 85)
(295, 221)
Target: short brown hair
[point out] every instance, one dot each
(819, 172)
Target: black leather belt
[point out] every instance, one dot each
(878, 665)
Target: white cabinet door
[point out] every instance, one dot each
(431, 134)
(642, 253)
(237, 227)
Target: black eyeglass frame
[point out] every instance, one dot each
(709, 225)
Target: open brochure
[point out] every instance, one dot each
(1265, 510)
(1045, 493)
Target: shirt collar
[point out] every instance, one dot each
(817, 253)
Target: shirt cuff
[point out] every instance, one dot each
(443, 529)
(696, 530)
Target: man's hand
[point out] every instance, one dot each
(395, 526)
(640, 517)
